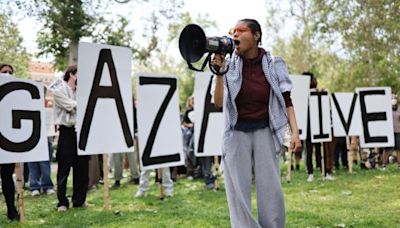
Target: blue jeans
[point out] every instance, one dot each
(40, 173)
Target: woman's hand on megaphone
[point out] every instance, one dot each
(218, 63)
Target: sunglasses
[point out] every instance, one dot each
(7, 72)
(239, 30)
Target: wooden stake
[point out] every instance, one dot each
(289, 165)
(136, 145)
(21, 205)
(106, 184)
(160, 175)
(322, 160)
(349, 154)
(216, 172)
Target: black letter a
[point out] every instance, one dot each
(104, 92)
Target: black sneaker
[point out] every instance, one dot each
(362, 166)
(134, 181)
(117, 184)
(13, 215)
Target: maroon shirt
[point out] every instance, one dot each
(253, 98)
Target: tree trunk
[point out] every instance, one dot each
(73, 52)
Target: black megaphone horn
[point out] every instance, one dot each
(193, 43)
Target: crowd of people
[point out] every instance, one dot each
(255, 95)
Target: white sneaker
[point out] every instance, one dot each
(35, 193)
(62, 208)
(169, 194)
(139, 194)
(190, 178)
(50, 191)
(310, 178)
(329, 177)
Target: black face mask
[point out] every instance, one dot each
(394, 107)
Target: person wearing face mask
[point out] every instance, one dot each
(64, 91)
(7, 170)
(255, 95)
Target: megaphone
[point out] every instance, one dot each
(193, 43)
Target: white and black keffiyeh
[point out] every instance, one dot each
(277, 75)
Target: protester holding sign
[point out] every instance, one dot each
(67, 155)
(7, 170)
(309, 145)
(255, 94)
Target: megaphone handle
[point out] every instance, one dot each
(215, 69)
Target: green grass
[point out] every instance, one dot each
(365, 199)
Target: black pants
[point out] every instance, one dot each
(309, 153)
(341, 152)
(67, 157)
(309, 148)
(8, 186)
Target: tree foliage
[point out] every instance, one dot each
(168, 64)
(369, 33)
(11, 51)
(66, 22)
(347, 44)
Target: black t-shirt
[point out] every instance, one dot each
(186, 118)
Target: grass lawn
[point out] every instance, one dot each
(365, 199)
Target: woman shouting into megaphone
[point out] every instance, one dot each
(255, 95)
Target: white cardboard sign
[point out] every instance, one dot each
(104, 97)
(299, 95)
(376, 115)
(320, 118)
(159, 128)
(209, 121)
(23, 136)
(346, 117)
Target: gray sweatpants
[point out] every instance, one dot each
(242, 152)
(118, 165)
